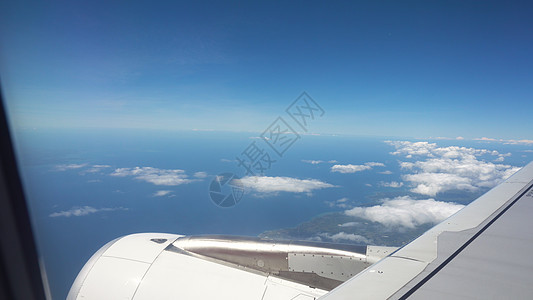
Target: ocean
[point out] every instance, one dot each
(65, 170)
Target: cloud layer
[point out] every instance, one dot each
(162, 193)
(406, 212)
(66, 167)
(440, 169)
(265, 184)
(510, 142)
(313, 162)
(156, 176)
(342, 236)
(355, 168)
(392, 184)
(83, 211)
(342, 203)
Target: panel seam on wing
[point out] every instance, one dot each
(149, 267)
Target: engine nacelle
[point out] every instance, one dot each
(157, 266)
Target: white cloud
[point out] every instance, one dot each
(502, 156)
(432, 183)
(338, 203)
(162, 193)
(95, 169)
(265, 184)
(385, 172)
(313, 162)
(342, 236)
(349, 168)
(409, 148)
(200, 175)
(508, 142)
(83, 211)
(441, 169)
(350, 224)
(374, 164)
(392, 184)
(69, 167)
(355, 168)
(332, 161)
(156, 176)
(446, 138)
(486, 139)
(528, 151)
(101, 166)
(519, 142)
(406, 212)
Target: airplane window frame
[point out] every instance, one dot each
(20, 272)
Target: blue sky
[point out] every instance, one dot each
(417, 69)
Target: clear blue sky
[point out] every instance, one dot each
(419, 69)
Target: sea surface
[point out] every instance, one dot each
(59, 176)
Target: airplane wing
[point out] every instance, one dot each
(482, 251)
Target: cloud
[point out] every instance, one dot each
(338, 203)
(265, 184)
(313, 162)
(156, 176)
(508, 142)
(446, 138)
(349, 168)
(412, 148)
(342, 236)
(374, 164)
(95, 169)
(385, 172)
(406, 212)
(486, 139)
(528, 151)
(161, 193)
(355, 168)
(440, 169)
(83, 211)
(438, 175)
(519, 142)
(432, 183)
(200, 175)
(392, 184)
(502, 156)
(316, 162)
(350, 224)
(69, 167)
